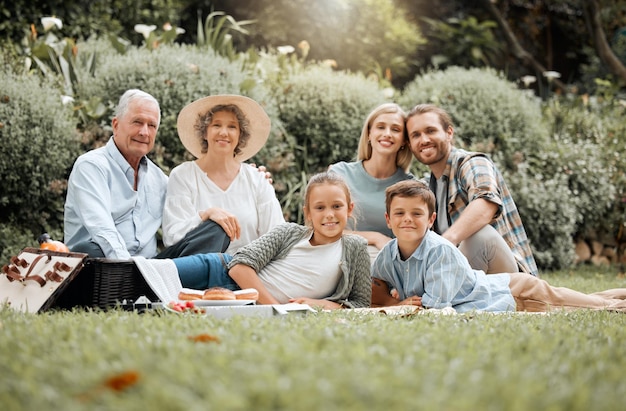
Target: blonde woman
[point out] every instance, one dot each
(383, 158)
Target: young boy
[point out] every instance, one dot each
(427, 270)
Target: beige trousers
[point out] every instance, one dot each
(535, 295)
(486, 250)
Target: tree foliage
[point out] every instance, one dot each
(83, 18)
(364, 35)
(564, 36)
(373, 36)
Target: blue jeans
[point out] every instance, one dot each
(202, 271)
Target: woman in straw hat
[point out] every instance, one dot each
(217, 203)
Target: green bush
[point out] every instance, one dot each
(586, 175)
(593, 135)
(316, 113)
(14, 237)
(565, 165)
(176, 75)
(38, 145)
(490, 113)
(549, 215)
(584, 157)
(324, 111)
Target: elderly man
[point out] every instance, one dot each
(115, 194)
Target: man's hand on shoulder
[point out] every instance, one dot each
(263, 169)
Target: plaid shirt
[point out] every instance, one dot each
(475, 176)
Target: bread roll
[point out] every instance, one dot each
(218, 293)
(247, 294)
(188, 294)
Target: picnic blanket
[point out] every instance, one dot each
(406, 310)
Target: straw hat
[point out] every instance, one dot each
(259, 123)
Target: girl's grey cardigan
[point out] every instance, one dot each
(354, 289)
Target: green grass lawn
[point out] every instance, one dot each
(323, 361)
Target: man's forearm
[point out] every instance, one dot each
(476, 215)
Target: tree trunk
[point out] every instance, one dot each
(516, 48)
(603, 48)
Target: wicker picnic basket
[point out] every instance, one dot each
(106, 283)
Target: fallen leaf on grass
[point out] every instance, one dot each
(118, 382)
(204, 338)
(122, 381)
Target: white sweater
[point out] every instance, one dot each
(250, 197)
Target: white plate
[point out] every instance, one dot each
(218, 303)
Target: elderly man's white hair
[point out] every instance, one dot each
(134, 94)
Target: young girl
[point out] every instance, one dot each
(316, 264)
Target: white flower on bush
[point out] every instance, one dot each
(144, 29)
(285, 49)
(67, 100)
(168, 27)
(528, 80)
(50, 22)
(550, 75)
